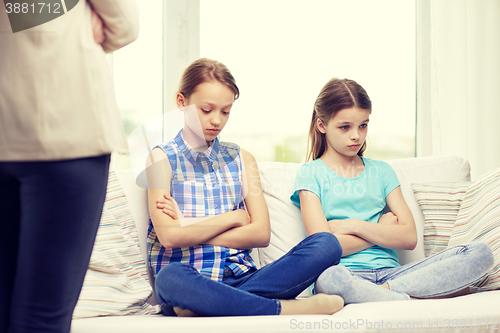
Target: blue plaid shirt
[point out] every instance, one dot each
(204, 184)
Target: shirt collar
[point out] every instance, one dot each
(191, 154)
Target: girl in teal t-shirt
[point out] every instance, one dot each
(342, 192)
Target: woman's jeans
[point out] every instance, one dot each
(49, 215)
(254, 293)
(444, 273)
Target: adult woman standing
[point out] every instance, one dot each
(59, 123)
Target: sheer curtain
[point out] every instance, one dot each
(458, 81)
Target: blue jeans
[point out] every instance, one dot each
(256, 292)
(444, 273)
(49, 215)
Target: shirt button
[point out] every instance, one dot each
(216, 206)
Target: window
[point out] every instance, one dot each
(138, 76)
(282, 52)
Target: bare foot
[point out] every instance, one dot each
(184, 312)
(316, 304)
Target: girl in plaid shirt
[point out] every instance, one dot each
(207, 211)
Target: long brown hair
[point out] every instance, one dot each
(206, 70)
(336, 95)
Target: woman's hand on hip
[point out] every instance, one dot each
(97, 28)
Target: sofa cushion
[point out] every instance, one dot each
(479, 312)
(116, 282)
(278, 182)
(478, 220)
(439, 203)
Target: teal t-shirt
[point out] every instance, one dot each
(362, 197)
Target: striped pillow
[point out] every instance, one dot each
(116, 282)
(440, 203)
(478, 220)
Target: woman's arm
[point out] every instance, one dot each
(169, 230)
(402, 235)
(315, 221)
(120, 22)
(258, 232)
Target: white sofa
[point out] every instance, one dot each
(474, 312)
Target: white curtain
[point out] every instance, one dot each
(458, 81)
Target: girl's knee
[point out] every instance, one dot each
(171, 277)
(328, 247)
(483, 254)
(334, 274)
(337, 273)
(172, 285)
(332, 279)
(167, 271)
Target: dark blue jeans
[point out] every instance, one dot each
(254, 293)
(49, 215)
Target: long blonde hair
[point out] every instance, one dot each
(336, 95)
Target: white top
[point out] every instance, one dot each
(56, 91)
